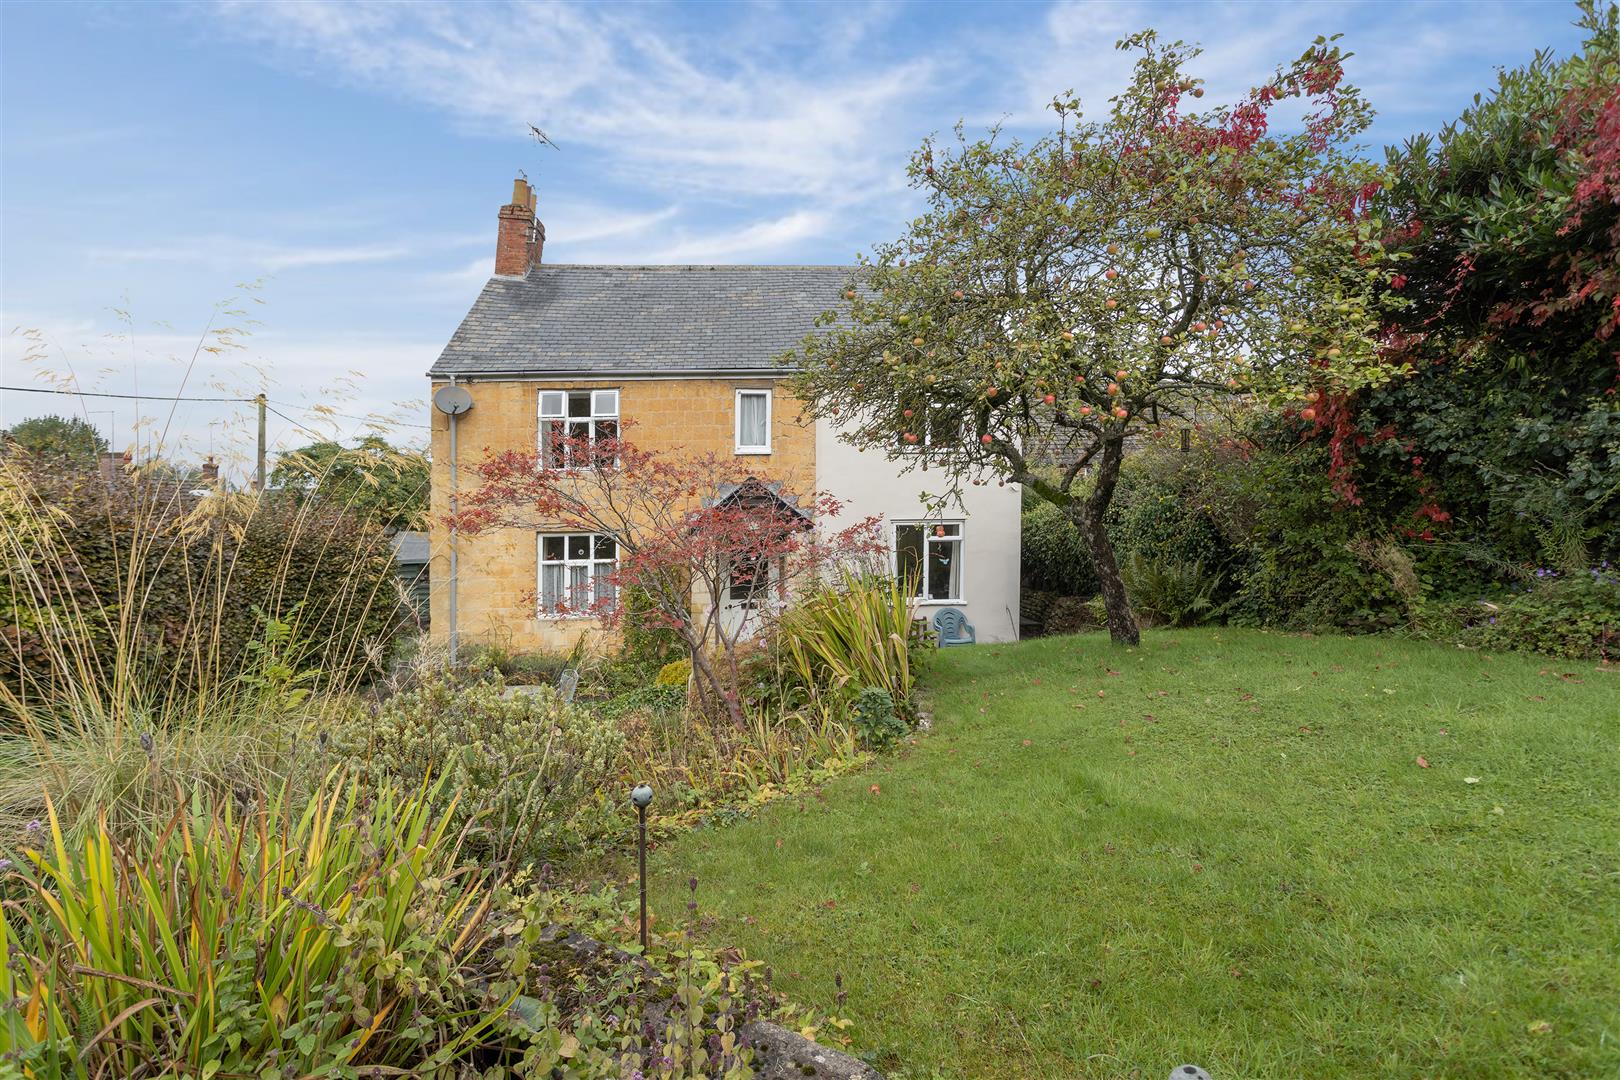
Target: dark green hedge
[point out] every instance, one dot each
(187, 583)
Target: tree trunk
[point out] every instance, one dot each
(703, 667)
(1088, 518)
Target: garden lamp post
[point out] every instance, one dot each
(641, 797)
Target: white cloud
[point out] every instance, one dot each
(776, 238)
(230, 253)
(769, 114)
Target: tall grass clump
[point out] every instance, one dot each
(300, 934)
(855, 632)
(157, 634)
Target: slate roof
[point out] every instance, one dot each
(579, 320)
(411, 546)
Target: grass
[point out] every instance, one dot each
(1220, 847)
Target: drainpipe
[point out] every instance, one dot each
(455, 631)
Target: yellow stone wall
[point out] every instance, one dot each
(499, 570)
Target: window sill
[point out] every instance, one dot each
(937, 603)
(745, 450)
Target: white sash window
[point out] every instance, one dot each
(576, 572)
(753, 421)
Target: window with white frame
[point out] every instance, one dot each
(576, 572)
(571, 420)
(928, 559)
(753, 421)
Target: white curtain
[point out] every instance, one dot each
(751, 420)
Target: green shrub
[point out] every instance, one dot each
(1164, 511)
(873, 716)
(674, 673)
(533, 770)
(1574, 615)
(1054, 555)
(1170, 592)
(1293, 541)
(645, 640)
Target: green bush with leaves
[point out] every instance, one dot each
(875, 720)
(1574, 615)
(532, 770)
(1164, 511)
(1054, 555)
(134, 587)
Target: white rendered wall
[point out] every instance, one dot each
(868, 483)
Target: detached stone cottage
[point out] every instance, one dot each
(690, 354)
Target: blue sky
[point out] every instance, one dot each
(350, 158)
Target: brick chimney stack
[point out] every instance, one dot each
(210, 471)
(522, 236)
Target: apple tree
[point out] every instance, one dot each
(1056, 298)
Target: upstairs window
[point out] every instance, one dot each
(924, 426)
(571, 421)
(753, 421)
(928, 559)
(576, 573)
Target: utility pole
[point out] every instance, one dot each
(259, 472)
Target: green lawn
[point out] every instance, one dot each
(1220, 848)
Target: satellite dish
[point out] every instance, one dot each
(452, 400)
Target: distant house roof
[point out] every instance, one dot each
(628, 320)
(411, 547)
